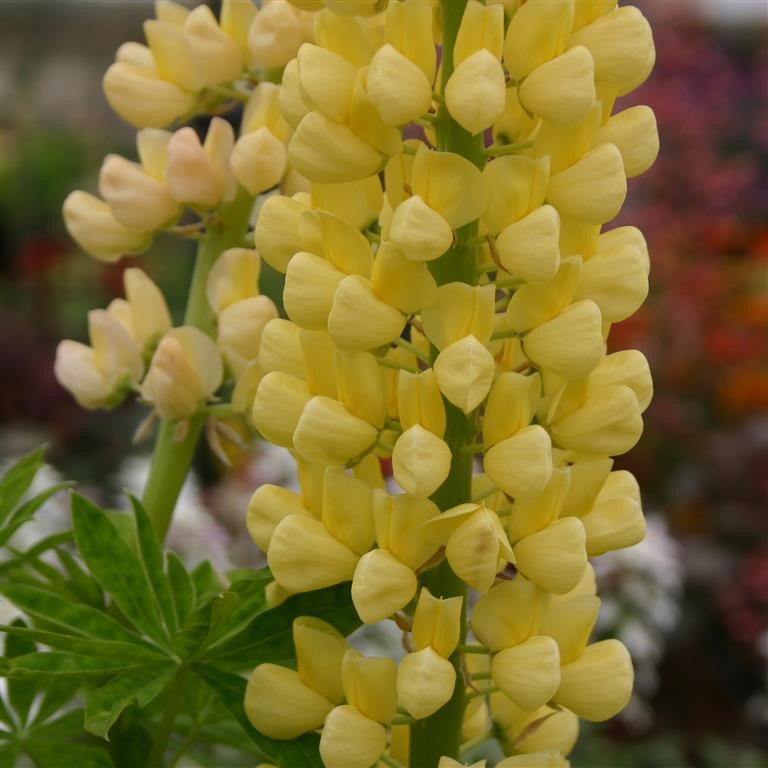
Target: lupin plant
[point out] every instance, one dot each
(433, 179)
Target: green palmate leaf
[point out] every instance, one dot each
(249, 600)
(81, 583)
(269, 635)
(115, 567)
(56, 694)
(21, 693)
(51, 754)
(207, 583)
(182, 587)
(151, 556)
(24, 513)
(104, 705)
(63, 663)
(65, 727)
(5, 716)
(110, 649)
(230, 688)
(17, 480)
(77, 619)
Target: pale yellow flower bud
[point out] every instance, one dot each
(356, 202)
(216, 56)
(381, 585)
(370, 684)
(277, 230)
(621, 44)
(361, 386)
(170, 12)
(92, 225)
(171, 53)
(636, 136)
(337, 241)
(267, 507)
(327, 432)
(149, 315)
(531, 515)
(425, 681)
(280, 706)
(598, 684)
(408, 27)
(608, 424)
(511, 406)
(535, 760)
(292, 105)
(571, 344)
(348, 510)
(458, 311)
(234, 277)
(419, 400)
(475, 93)
(530, 248)
(262, 110)
(143, 99)
(404, 284)
(152, 148)
(279, 402)
(508, 613)
(320, 650)
(326, 81)
(569, 622)
(449, 184)
(366, 122)
(258, 160)
(555, 557)
(304, 556)
(515, 186)
(613, 523)
(529, 673)
(185, 370)
(587, 479)
(481, 27)
(420, 461)
(240, 328)
(536, 34)
(235, 20)
(562, 90)
(275, 34)
(436, 623)
(419, 232)
(628, 367)
(592, 190)
(310, 287)
(327, 151)
(464, 371)
(350, 739)
(398, 520)
(522, 464)
(244, 391)
(398, 88)
(359, 320)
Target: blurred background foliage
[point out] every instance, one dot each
(692, 601)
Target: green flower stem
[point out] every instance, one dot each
(176, 692)
(171, 457)
(440, 734)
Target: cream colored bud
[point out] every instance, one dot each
(277, 230)
(216, 56)
(425, 681)
(530, 247)
(171, 54)
(555, 557)
(326, 151)
(326, 81)
(234, 277)
(458, 311)
(152, 148)
(537, 33)
(327, 432)
(508, 613)
(419, 401)
(593, 189)
(359, 320)
(93, 226)
(609, 424)
(476, 92)
(515, 186)
(628, 367)
(304, 556)
(137, 200)
(361, 386)
(370, 684)
(614, 523)
(136, 54)
(348, 510)
(419, 232)
(280, 706)
(185, 370)
(275, 34)
(522, 464)
(244, 391)
(258, 160)
(529, 673)
(267, 507)
(482, 26)
(280, 400)
(240, 328)
(571, 344)
(350, 739)
(636, 136)
(149, 315)
(310, 287)
(320, 650)
(235, 20)
(398, 88)
(420, 461)
(464, 371)
(562, 90)
(598, 684)
(381, 585)
(262, 110)
(292, 105)
(569, 622)
(405, 284)
(511, 406)
(142, 99)
(436, 623)
(75, 369)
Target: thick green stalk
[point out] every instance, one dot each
(171, 457)
(440, 734)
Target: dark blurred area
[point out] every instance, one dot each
(693, 605)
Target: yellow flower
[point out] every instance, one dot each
(511, 405)
(320, 651)
(464, 371)
(408, 27)
(398, 88)
(529, 673)
(348, 510)
(350, 739)
(240, 328)
(636, 136)
(437, 623)
(522, 464)
(425, 681)
(421, 461)
(406, 284)
(381, 585)
(234, 277)
(278, 405)
(530, 247)
(269, 504)
(419, 232)
(569, 622)
(475, 93)
(216, 57)
(419, 400)
(370, 685)
(275, 34)
(258, 160)
(148, 313)
(459, 310)
(277, 230)
(310, 287)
